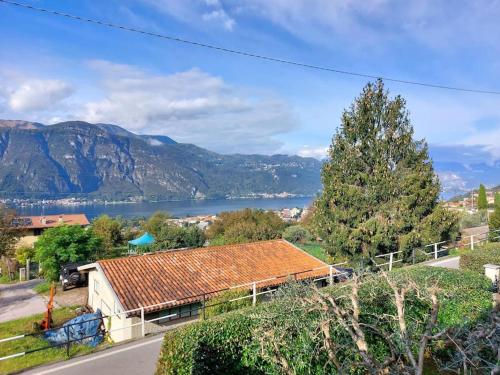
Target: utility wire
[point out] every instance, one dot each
(244, 53)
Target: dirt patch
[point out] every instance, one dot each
(71, 297)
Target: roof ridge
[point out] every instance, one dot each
(186, 249)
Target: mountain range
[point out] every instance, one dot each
(108, 162)
(105, 161)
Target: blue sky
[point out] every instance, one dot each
(54, 69)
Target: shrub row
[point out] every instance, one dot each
(235, 342)
(474, 260)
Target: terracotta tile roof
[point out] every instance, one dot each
(48, 221)
(185, 275)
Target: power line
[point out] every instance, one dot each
(244, 53)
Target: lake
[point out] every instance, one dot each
(174, 208)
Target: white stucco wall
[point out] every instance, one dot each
(102, 297)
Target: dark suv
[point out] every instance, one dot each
(70, 277)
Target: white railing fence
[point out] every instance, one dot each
(439, 247)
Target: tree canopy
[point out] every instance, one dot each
(245, 226)
(379, 185)
(296, 233)
(64, 244)
(8, 234)
(109, 231)
(482, 201)
(171, 236)
(155, 223)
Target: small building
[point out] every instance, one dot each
(178, 282)
(33, 226)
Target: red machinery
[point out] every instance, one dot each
(47, 321)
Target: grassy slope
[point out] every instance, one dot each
(25, 325)
(316, 251)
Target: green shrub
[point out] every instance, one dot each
(474, 260)
(219, 304)
(212, 346)
(296, 233)
(243, 341)
(474, 220)
(43, 287)
(24, 253)
(465, 296)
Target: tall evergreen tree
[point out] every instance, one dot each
(482, 201)
(379, 186)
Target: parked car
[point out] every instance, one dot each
(71, 277)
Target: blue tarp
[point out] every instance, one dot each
(84, 329)
(144, 240)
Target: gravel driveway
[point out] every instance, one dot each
(20, 300)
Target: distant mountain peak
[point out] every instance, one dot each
(20, 124)
(107, 161)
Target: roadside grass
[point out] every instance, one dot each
(43, 287)
(25, 325)
(315, 249)
(4, 279)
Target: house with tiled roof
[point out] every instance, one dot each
(30, 227)
(171, 285)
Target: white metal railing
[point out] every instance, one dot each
(436, 250)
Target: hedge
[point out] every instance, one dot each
(212, 346)
(231, 343)
(474, 260)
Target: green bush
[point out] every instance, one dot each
(63, 244)
(242, 341)
(24, 253)
(474, 220)
(474, 260)
(296, 233)
(212, 346)
(465, 295)
(43, 287)
(219, 304)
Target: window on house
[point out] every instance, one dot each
(96, 287)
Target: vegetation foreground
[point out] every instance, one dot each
(396, 323)
(25, 325)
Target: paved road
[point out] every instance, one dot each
(19, 300)
(446, 263)
(138, 357)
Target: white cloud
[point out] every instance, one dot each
(191, 12)
(191, 106)
(430, 22)
(313, 152)
(219, 15)
(37, 95)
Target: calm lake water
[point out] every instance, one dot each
(175, 208)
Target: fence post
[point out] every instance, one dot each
(331, 275)
(254, 294)
(413, 256)
(472, 242)
(203, 306)
(391, 256)
(67, 340)
(435, 250)
(27, 269)
(143, 328)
